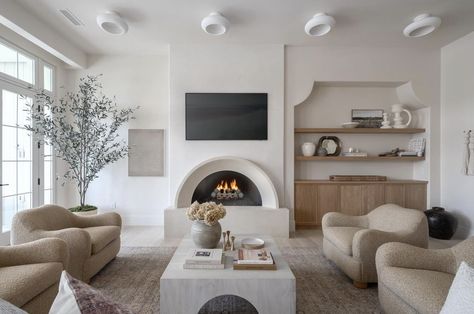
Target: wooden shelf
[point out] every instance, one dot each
(370, 158)
(360, 130)
(360, 182)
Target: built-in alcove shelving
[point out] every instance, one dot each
(328, 106)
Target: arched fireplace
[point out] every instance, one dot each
(229, 188)
(242, 186)
(204, 179)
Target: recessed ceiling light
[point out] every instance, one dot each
(319, 25)
(422, 25)
(112, 23)
(215, 24)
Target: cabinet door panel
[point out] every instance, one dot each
(374, 197)
(395, 194)
(415, 196)
(328, 200)
(352, 199)
(306, 202)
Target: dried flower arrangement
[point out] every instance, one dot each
(208, 212)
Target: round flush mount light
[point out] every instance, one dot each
(215, 24)
(319, 25)
(422, 25)
(112, 23)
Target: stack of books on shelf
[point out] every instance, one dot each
(204, 259)
(260, 259)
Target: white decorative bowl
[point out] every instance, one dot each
(252, 243)
(350, 125)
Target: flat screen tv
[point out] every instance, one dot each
(226, 116)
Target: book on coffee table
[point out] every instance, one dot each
(204, 259)
(204, 256)
(259, 259)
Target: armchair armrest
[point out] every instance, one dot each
(409, 256)
(366, 242)
(39, 251)
(334, 219)
(107, 219)
(77, 240)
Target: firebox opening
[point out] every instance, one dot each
(229, 188)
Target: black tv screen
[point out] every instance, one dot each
(226, 116)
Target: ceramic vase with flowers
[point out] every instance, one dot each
(206, 229)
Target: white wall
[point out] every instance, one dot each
(135, 81)
(457, 103)
(227, 68)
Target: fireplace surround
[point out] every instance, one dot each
(251, 201)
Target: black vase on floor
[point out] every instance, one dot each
(442, 224)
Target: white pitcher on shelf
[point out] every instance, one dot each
(397, 109)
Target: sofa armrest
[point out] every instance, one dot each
(409, 256)
(40, 251)
(334, 219)
(107, 219)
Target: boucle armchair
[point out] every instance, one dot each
(352, 241)
(30, 273)
(93, 241)
(416, 280)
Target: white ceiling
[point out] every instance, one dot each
(156, 23)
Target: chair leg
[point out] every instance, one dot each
(360, 285)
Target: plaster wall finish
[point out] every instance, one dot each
(305, 66)
(135, 81)
(227, 68)
(457, 115)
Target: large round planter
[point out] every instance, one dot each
(442, 225)
(87, 213)
(205, 236)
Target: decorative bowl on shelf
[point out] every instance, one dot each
(350, 125)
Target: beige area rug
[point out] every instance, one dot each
(133, 278)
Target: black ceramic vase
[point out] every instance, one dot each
(442, 224)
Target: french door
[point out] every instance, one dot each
(26, 169)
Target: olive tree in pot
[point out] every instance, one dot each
(82, 127)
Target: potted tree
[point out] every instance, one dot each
(82, 127)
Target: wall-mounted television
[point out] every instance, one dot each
(226, 116)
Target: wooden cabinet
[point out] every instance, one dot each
(315, 198)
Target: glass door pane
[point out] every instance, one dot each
(16, 156)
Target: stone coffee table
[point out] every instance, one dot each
(185, 291)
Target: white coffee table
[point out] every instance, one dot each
(185, 291)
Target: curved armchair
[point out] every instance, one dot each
(352, 241)
(417, 280)
(93, 241)
(31, 272)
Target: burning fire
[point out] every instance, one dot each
(226, 186)
(227, 190)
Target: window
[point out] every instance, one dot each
(17, 161)
(16, 64)
(26, 164)
(47, 78)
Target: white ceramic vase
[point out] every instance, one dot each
(308, 149)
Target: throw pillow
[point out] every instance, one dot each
(460, 297)
(77, 297)
(8, 308)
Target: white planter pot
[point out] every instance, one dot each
(88, 213)
(308, 149)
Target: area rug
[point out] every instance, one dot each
(133, 278)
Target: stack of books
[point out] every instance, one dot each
(259, 259)
(204, 259)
